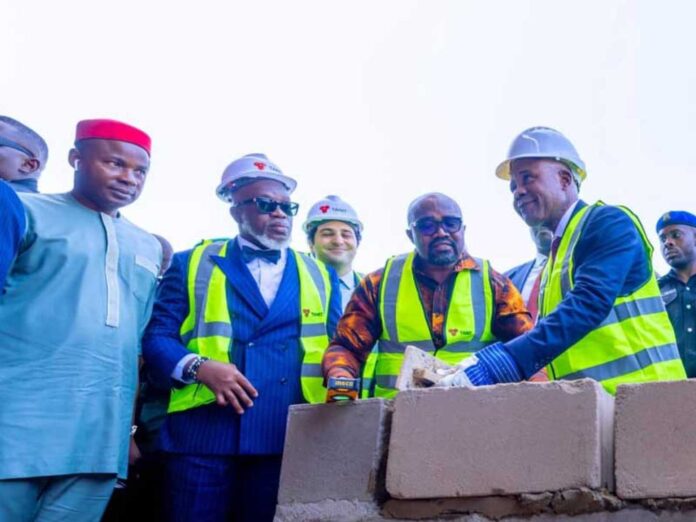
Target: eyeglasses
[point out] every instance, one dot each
(4, 142)
(268, 205)
(429, 226)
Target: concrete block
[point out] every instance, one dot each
(335, 451)
(655, 440)
(329, 511)
(500, 440)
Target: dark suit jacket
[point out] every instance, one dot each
(265, 347)
(609, 260)
(518, 275)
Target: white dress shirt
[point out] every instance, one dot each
(537, 268)
(563, 223)
(347, 284)
(266, 274)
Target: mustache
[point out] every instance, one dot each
(441, 241)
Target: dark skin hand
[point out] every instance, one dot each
(228, 384)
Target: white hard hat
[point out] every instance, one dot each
(543, 142)
(251, 166)
(331, 208)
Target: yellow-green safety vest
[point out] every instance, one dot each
(467, 325)
(635, 343)
(207, 329)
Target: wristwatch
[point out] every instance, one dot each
(191, 372)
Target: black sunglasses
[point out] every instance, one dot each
(4, 142)
(268, 205)
(428, 225)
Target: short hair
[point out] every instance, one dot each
(31, 135)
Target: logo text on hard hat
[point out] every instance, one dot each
(259, 165)
(324, 209)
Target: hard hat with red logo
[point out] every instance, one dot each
(543, 142)
(331, 208)
(247, 169)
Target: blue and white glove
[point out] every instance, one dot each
(491, 365)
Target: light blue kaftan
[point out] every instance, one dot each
(77, 300)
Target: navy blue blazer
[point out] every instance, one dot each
(610, 261)
(265, 348)
(518, 275)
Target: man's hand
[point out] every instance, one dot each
(133, 452)
(336, 373)
(228, 384)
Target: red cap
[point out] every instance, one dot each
(104, 129)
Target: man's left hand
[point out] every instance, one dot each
(133, 453)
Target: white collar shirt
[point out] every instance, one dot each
(347, 284)
(266, 274)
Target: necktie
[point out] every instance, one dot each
(532, 302)
(249, 254)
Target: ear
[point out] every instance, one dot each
(30, 166)
(235, 213)
(409, 233)
(566, 178)
(73, 155)
(311, 247)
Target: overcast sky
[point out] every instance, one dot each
(376, 101)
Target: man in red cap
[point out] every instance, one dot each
(78, 296)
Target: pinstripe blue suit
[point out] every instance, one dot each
(212, 451)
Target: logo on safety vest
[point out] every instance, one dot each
(259, 165)
(306, 312)
(453, 331)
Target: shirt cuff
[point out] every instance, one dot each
(499, 364)
(178, 373)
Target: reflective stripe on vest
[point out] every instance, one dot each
(467, 325)
(634, 343)
(207, 329)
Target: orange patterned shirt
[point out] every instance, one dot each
(361, 325)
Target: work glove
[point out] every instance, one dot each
(491, 365)
(457, 377)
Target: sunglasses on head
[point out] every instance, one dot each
(268, 205)
(4, 142)
(429, 225)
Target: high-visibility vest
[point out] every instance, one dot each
(467, 326)
(207, 329)
(634, 343)
(368, 370)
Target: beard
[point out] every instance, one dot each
(443, 258)
(270, 243)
